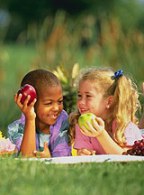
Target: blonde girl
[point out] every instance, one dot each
(113, 98)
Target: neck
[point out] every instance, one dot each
(43, 128)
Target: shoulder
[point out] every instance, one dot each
(63, 118)
(62, 121)
(63, 115)
(16, 126)
(132, 130)
(131, 127)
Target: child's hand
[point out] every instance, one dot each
(44, 154)
(85, 152)
(95, 128)
(28, 110)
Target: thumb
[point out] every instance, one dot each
(93, 152)
(45, 146)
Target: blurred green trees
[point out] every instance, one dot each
(57, 34)
(28, 16)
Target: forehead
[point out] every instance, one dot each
(87, 84)
(90, 86)
(50, 92)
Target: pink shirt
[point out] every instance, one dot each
(132, 133)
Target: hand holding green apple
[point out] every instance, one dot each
(84, 119)
(91, 125)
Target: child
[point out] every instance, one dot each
(43, 125)
(113, 98)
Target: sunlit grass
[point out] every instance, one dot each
(33, 177)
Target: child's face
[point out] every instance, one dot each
(49, 106)
(90, 100)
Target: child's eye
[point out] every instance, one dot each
(48, 103)
(79, 96)
(88, 96)
(60, 102)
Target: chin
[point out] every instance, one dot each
(52, 122)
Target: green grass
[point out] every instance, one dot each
(33, 177)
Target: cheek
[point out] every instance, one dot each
(61, 107)
(78, 104)
(41, 110)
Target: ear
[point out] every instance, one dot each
(109, 101)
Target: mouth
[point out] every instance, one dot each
(82, 110)
(54, 116)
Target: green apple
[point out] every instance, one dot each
(84, 118)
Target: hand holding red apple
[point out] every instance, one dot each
(27, 90)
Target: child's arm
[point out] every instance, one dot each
(28, 144)
(141, 123)
(97, 130)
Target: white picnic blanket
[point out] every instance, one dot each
(89, 159)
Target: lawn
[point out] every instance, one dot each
(33, 177)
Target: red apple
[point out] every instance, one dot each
(27, 90)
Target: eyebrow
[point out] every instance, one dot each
(87, 92)
(56, 100)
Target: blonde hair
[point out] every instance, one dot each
(125, 94)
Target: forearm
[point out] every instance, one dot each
(28, 145)
(109, 145)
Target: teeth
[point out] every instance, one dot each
(54, 116)
(83, 110)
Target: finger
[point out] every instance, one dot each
(87, 133)
(33, 102)
(86, 151)
(83, 152)
(45, 146)
(26, 101)
(94, 131)
(18, 98)
(93, 152)
(90, 128)
(37, 153)
(100, 125)
(84, 130)
(98, 121)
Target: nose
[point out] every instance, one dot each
(55, 107)
(81, 101)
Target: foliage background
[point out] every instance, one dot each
(56, 34)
